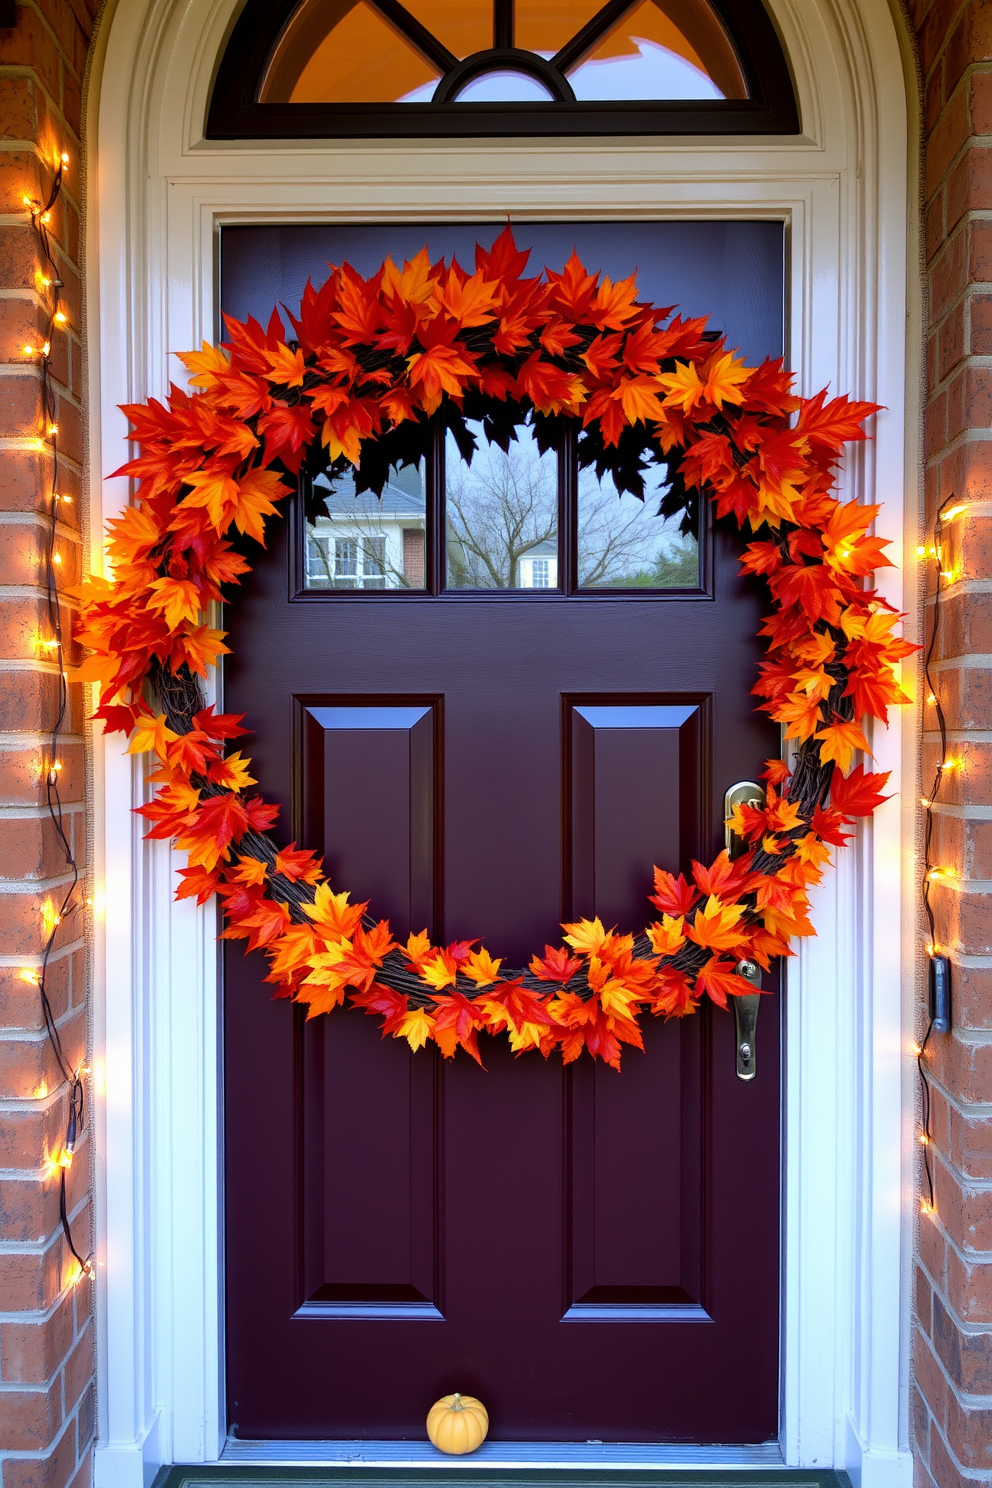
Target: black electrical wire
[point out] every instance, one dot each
(40, 218)
(933, 697)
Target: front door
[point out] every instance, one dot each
(493, 700)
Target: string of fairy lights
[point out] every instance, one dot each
(52, 648)
(938, 964)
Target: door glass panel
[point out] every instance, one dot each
(625, 543)
(545, 25)
(463, 26)
(661, 49)
(364, 541)
(344, 53)
(501, 514)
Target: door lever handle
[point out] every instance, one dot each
(746, 1019)
(744, 793)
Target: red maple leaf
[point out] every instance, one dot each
(858, 793)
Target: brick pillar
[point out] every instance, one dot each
(46, 1324)
(952, 1325)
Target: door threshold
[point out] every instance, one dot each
(520, 1456)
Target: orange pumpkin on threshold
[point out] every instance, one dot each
(457, 1424)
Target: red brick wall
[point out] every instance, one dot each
(952, 1344)
(46, 1325)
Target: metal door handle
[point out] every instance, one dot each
(744, 793)
(746, 1019)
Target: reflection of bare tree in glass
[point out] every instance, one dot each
(499, 508)
(624, 544)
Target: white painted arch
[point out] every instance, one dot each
(158, 195)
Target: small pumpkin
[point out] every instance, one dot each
(457, 1424)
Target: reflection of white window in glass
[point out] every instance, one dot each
(373, 563)
(540, 573)
(345, 562)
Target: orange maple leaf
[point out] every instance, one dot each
(840, 739)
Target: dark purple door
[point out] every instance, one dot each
(493, 701)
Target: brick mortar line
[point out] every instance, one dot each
(972, 1185)
(962, 588)
(978, 660)
(977, 1475)
(972, 1038)
(37, 592)
(954, 885)
(980, 1111)
(50, 668)
(963, 1397)
(45, 1173)
(44, 1453)
(966, 436)
(967, 1257)
(52, 1378)
(33, 444)
(21, 1105)
(947, 30)
(14, 963)
(38, 813)
(973, 360)
(52, 881)
(959, 736)
(13, 740)
(972, 142)
(959, 813)
(38, 519)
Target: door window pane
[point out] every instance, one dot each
(503, 86)
(544, 26)
(661, 49)
(624, 543)
(501, 514)
(463, 26)
(363, 541)
(344, 53)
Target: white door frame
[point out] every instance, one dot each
(158, 195)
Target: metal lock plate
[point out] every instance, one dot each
(744, 793)
(746, 1019)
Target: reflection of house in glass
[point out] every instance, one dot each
(369, 542)
(538, 567)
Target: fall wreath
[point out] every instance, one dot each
(372, 362)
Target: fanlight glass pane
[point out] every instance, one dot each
(366, 541)
(502, 515)
(343, 52)
(625, 544)
(545, 25)
(463, 26)
(505, 87)
(661, 49)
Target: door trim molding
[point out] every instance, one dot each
(159, 194)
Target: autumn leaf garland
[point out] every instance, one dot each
(372, 361)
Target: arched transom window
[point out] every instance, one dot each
(429, 67)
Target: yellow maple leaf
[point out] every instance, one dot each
(684, 387)
(413, 283)
(232, 772)
(255, 500)
(214, 490)
(715, 926)
(669, 936)
(439, 970)
(287, 367)
(205, 364)
(178, 599)
(840, 739)
(724, 375)
(586, 936)
(415, 1026)
(481, 968)
(151, 734)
